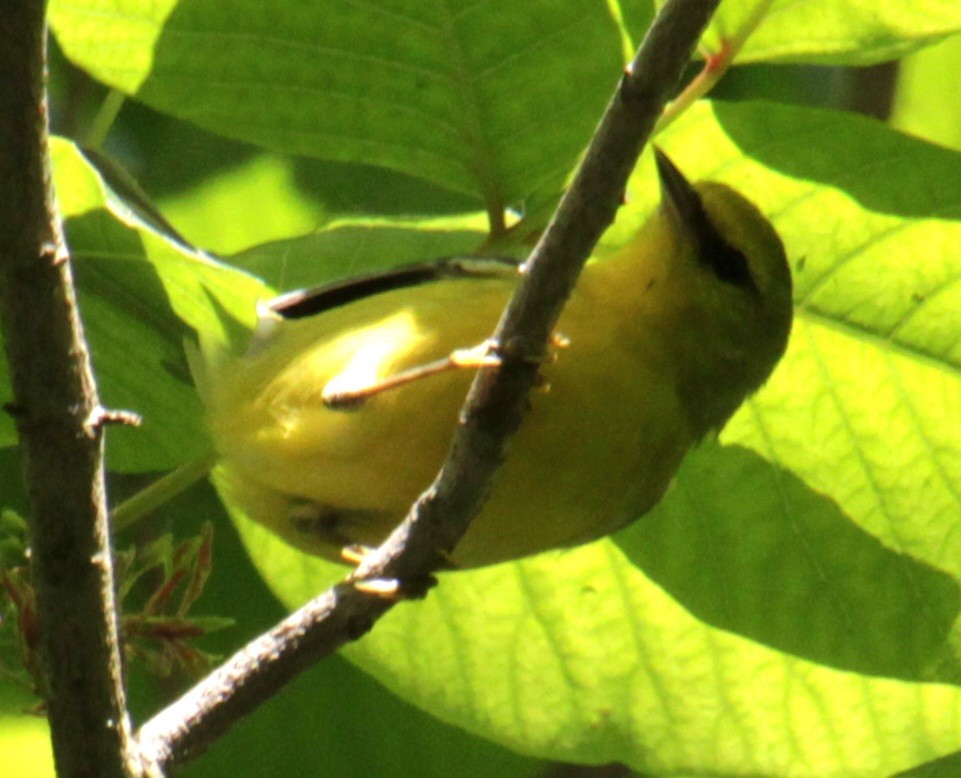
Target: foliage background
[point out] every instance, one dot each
(794, 601)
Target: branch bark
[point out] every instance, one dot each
(492, 413)
(58, 418)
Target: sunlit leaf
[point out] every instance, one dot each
(919, 104)
(790, 608)
(835, 32)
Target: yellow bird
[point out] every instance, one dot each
(340, 413)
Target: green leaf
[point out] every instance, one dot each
(790, 607)
(835, 32)
(429, 89)
(848, 590)
(140, 294)
(579, 656)
(255, 202)
(350, 247)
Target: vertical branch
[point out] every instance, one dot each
(59, 421)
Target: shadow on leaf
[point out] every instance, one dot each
(884, 171)
(748, 547)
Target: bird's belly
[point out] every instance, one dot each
(596, 450)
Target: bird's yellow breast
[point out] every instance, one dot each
(596, 449)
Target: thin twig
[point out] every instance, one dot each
(60, 424)
(492, 413)
(104, 119)
(716, 64)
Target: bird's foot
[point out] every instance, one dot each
(388, 588)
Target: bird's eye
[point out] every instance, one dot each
(729, 264)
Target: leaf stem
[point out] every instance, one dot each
(159, 492)
(103, 120)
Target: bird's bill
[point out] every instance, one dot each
(678, 196)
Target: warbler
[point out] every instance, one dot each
(342, 408)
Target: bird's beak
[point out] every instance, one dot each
(678, 197)
(685, 209)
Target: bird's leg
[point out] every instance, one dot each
(343, 393)
(338, 394)
(474, 358)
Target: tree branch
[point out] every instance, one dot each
(492, 413)
(56, 411)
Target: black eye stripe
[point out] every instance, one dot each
(728, 263)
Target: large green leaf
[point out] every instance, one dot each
(271, 198)
(140, 293)
(430, 89)
(828, 32)
(791, 607)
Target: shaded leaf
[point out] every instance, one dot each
(351, 247)
(425, 88)
(140, 294)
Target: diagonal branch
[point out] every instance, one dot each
(492, 413)
(59, 421)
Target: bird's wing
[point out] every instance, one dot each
(309, 302)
